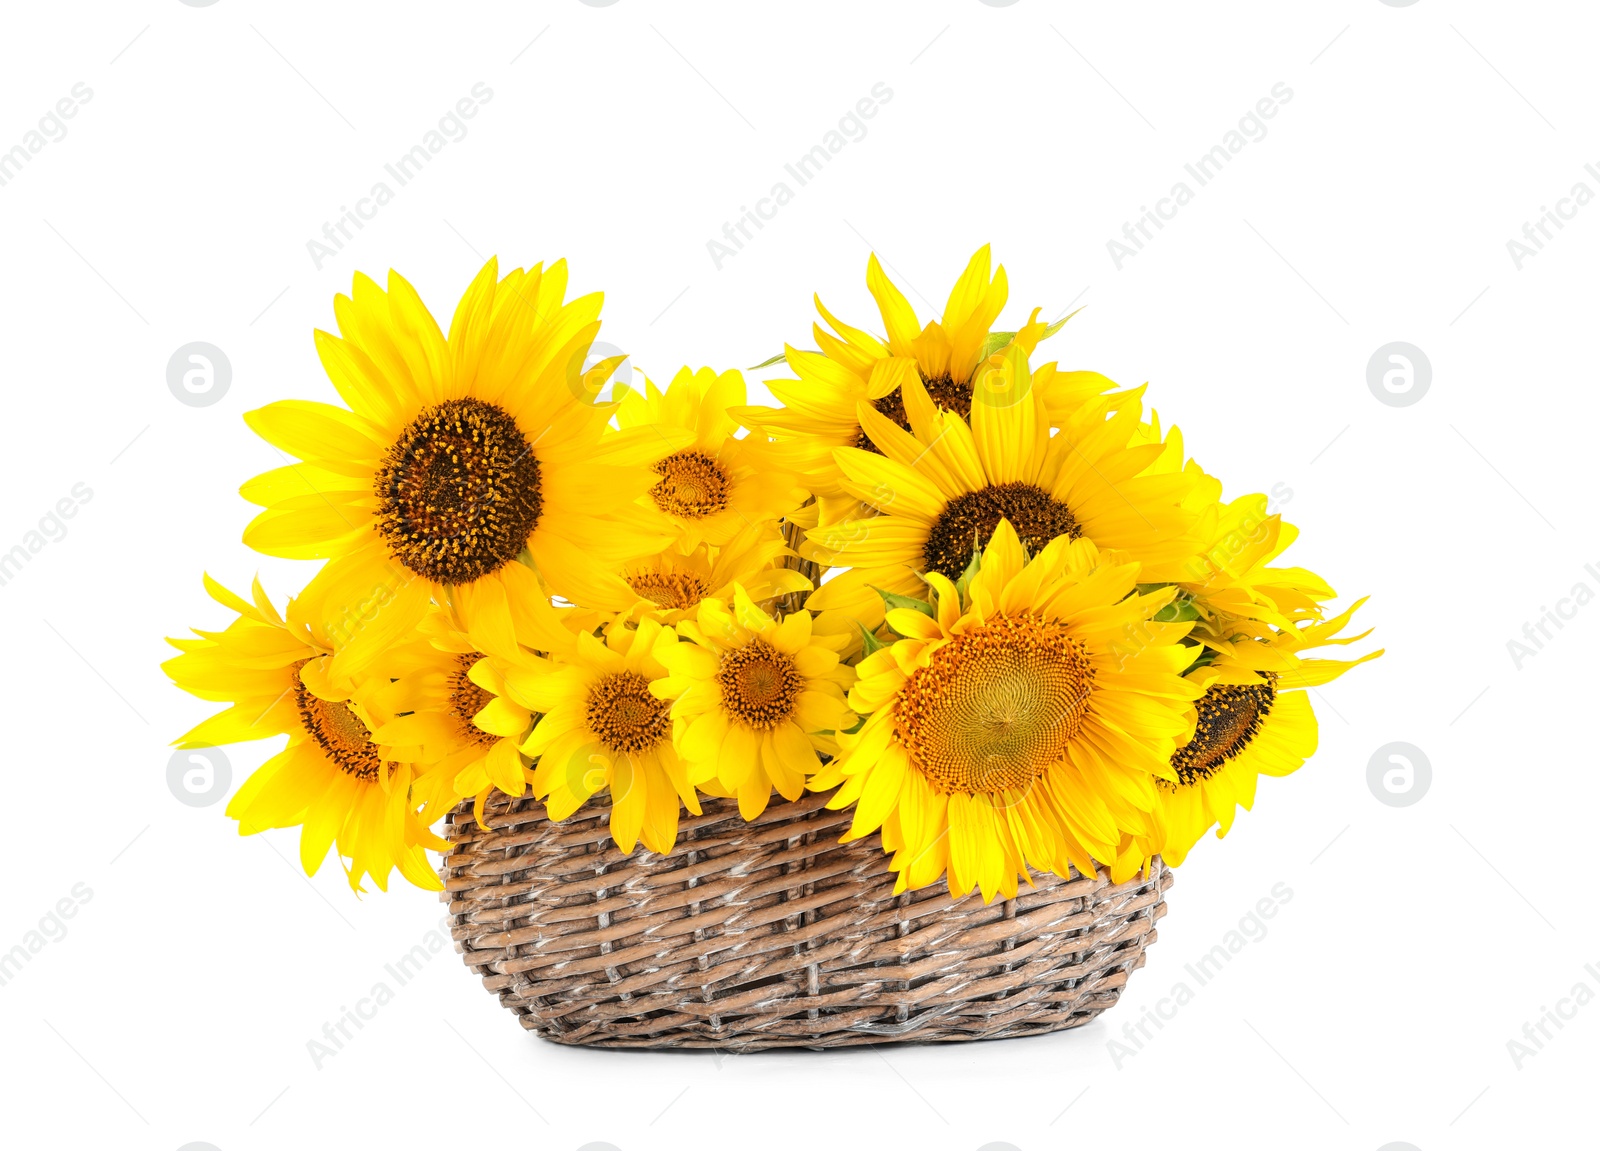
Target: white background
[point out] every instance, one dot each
(218, 140)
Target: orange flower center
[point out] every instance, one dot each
(467, 699)
(624, 716)
(669, 588)
(692, 485)
(338, 731)
(760, 685)
(996, 706)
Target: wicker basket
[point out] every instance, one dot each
(772, 934)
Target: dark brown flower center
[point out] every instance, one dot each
(335, 727)
(467, 699)
(692, 485)
(969, 520)
(1229, 716)
(623, 714)
(459, 492)
(760, 685)
(944, 392)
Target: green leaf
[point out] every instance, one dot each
(779, 358)
(1207, 656)
(1052, 329)
(870, 644)
(994, 342)
(997, 341)
(973, 566)
(1178, 611)
(895, 600)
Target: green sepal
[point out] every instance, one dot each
(870, 643)
(1207, 656)
(1178, 611)
(894, 599)
(1052, 329)
(779, 358)
(974, 565)
(993, 343)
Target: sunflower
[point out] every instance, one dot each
(599, 726)
(459, 468)
(671, 585)
(1233, 576)
(716, 484)
(1253, 719)
(754, 699)
(451, 712)
(936, 493)
(1014, 726)
(344, 788)
(854, 367)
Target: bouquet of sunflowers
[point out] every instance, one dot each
(990, 607)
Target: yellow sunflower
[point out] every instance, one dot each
(1253, 719)
(715, 485)
(451, 712)
(600, 727)
(460, 466)
(1014, 727)
(754, 698)
(1233, 574)
(935, 494)
(671, 585)
(345, 788)
(854, 367)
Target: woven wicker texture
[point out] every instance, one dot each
(772, 934)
